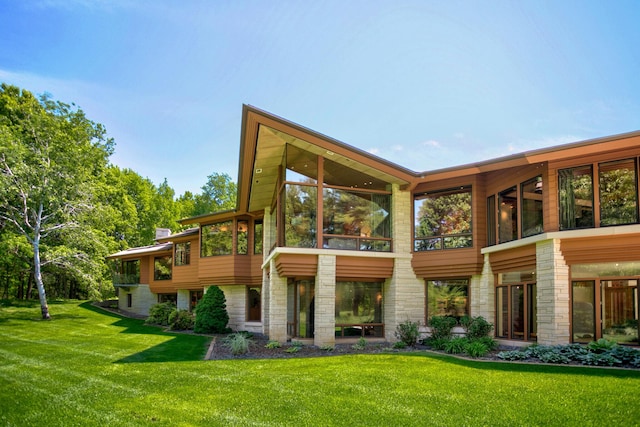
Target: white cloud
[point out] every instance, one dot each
(432, 143)
(375, 151)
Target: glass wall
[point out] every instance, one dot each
(447, 298)
(299, 220)
(300, 309)
(358, 310)
(443, 220)
(242, 237)
(516, 306)
(126, 272)
(583, 314)
(257, 237)
(508, 215)
(356, 220)
(618, 192)
(531, 202)
(216, 239)
(575, 197)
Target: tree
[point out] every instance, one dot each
(211, 313)
(50, 154)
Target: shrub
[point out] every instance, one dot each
(238, 343)
(476, 349)
(327, 347)
(407, 332)
(360, 345)
(273, 344)
(441, 326)
(513, 355)
(399, 345)
(456, 345)
(437, 343)
(488, 342)
(624, 354)
(181, 320)
(159, 313)
(294, 347)
(599, 359)
(554, 356)
(476, 327)
(601, 345)
(211, 313)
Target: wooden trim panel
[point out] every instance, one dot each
(363, 268)
(517, 259)
(449, 263)
(297, 265)
(590, 250)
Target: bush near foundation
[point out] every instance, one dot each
(181, 320)
(211, 313)
(159, 313)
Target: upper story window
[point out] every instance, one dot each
(216, 239)
(356, 207)
(242, 237)
(575, 197)
(531, 202)
(618, 192)
(356, 220)
(183, 253)
(443, 220)
(126, 272)
(162, 268)
(516, 212)
(616, 195)
(257, 237)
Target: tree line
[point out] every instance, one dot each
(64, 207)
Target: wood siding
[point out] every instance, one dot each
(447, 264)
(518, 259)
(601, 249)
(363, 268)
(297, 265)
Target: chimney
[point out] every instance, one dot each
(162, 232)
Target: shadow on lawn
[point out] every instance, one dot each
(506, 366)
(179, 348)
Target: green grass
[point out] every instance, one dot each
(87, 367)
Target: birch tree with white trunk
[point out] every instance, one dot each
(50, 156)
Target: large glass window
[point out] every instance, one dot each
(162, 267)
(531, 195)
(620, 310)
(300, 213)
(301, 309)
(216, 239)
(443, 220)
(127, 272)
(516, 306)
(575, 197)
(583, 312)
(358, 309)
(508, 215)
(447, 298)
(356, 220)
(618, 192)
(253, 303)
(242, 237)
(183, 253)
(257, 237)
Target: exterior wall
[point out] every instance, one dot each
(236, 297)
(403, 292)
(483, 292)
(553, 294)
(277, 302)
(141, 300)
(325, 301)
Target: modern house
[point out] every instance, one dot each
(328, 241)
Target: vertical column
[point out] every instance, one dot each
(552, 293)
(325, 301)
(403, 292)
(277, 312)
(483, 293)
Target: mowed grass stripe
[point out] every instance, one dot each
(93, 368)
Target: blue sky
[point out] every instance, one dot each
(425, 84)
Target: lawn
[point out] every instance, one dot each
(87, 367)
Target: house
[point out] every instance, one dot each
(328, 241)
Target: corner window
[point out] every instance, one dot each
(216, 239)
(508, 215)
(575, 197)
(447, 298)
(183, 253)
(443, 220)
(242, 237)
(253, 304)
(257, 237)
(516, 306)
(531, 196)
(618, 192)
(299, 217)
(162, 268)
